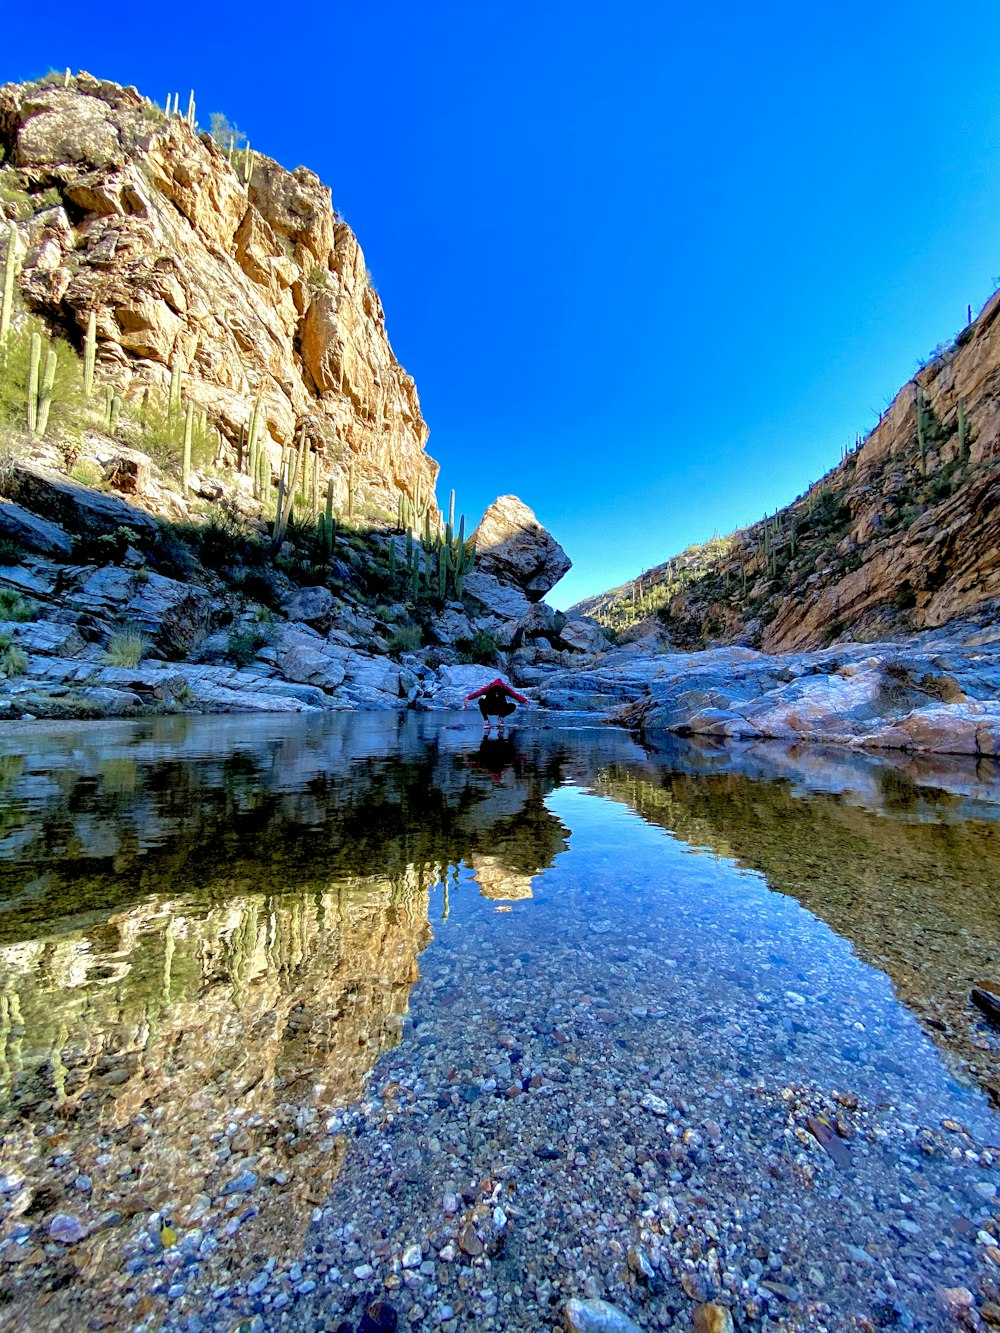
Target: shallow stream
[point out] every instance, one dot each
(295, 1014)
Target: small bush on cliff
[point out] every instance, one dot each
(126, 648)
(224, 133)
(13, 660)
(482, 648)
(247, 640)
(406, 639)
(14, 606)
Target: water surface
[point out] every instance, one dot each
(569, 1015)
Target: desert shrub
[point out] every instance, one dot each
(406, 639)
(260, 585)
(246, 641)
(126, 648)
(13, 659)
(225, 133)
(11, 551)
(482, 647)
(15, 606)
(107, 549)
(86, 472)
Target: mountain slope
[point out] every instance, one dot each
(901, 535)
(237, 275)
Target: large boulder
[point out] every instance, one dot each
(583, 635)
(513, 546)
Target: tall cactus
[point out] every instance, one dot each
(190, 111)
(286, 492)
(48, 384)
(186, 459)
(7, 300)
(34, 361)
(963, 430)
(90, 354)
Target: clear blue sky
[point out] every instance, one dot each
(651, 264)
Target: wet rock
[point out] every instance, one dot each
(595, 1316)
(712, 1318)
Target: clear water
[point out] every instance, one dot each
(375, 962)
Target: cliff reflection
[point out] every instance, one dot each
(902, 858)
(208, 936)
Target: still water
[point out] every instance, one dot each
(298, 1013)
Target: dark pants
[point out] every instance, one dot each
(500, 708)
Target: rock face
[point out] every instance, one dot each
(901, 536)
(252, 292)
(513, 546)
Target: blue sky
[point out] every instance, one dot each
(650, 264)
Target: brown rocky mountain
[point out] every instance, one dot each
(900, 536)
(250, 290)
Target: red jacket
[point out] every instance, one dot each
(498, 684)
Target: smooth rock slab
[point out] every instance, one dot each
(596, 1317)
(37, 534)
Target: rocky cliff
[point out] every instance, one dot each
(900, 536)
(250, 291)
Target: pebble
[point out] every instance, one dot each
(66, 1228)
(595, 1316)
(712, 1318)
(412, 1256)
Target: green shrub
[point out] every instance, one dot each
(246, 641)
(86, 472)
(126, 648)
(482, 648)
(107, 549)
(15, 606)
(11, 551)
(225, 133)
(13, 659)
(406, 639)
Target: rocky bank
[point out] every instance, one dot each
(862, 614)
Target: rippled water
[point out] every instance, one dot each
(289, 987)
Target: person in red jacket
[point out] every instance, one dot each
(495, 701)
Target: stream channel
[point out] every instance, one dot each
(297, 1015)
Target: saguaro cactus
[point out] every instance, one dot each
(45, 396)
(186, 461)
(90, 354)
(7, 300)
(34, 361)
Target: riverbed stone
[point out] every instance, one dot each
(596, 1316)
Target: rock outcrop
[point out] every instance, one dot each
(255, 291)
(513, 547)
(900, 536)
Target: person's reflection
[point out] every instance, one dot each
(497, 757)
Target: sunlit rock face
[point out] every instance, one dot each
(251, 291)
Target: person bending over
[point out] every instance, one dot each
(496, 700)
